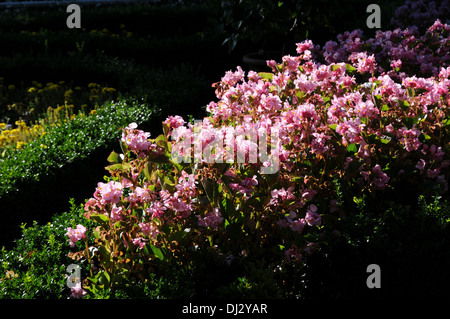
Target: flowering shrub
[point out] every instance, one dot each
(335, 131)
(398, 53)
(421, 13)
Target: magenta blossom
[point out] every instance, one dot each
(76, 234)
(77, 292)
(312, 217)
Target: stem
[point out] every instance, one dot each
(88, 257)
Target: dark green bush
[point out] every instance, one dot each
(409, 241)
(36, 267)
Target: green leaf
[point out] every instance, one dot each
(446, 122)
(266, 75)
(228, 209)
(105, 279)
(350, 68)
(122, 167)
(157, 252)
(161, 141)
(177, 236)
(334, 67)
(161, 159)
(113, 157)
(100, 218)
(333, 126)
(352, 148)
(147, 171)
(424, 137)
(410, 121)
(385, 108)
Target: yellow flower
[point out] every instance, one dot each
(92, 85)
(20, 145)
(2, 126)
(93, 112)
(11, 87)
(31, 90)
(21, 123)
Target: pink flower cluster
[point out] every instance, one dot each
(420, 13)
(108, 193)
(398, 53)
(211, 219)
(137, 140)
(76, 234)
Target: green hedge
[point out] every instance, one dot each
(69, 141)
(36, 267)
(37, 180)
(37, 264)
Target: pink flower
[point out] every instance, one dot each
(363, 62)
(77, 292)
(305, 84)
(409, 138)
(270, 102)
(174, 121)
(433, 173)
(139, 195)
(318, 143)
(91, 203)
(281, 194)
(396, 64)
(211, 219)
(308, 111)
(420, 165)
(292, 63)
(313, 218)
(156, 209)
(293, 255)
(186, 184)
(149, 230)
(109, 193)
(139, 242)
(381, 179)
(231, 78)
(298, 225)
(116, 213)
(136, 140)
(305, 45)
(350, 129)
(76, 234)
